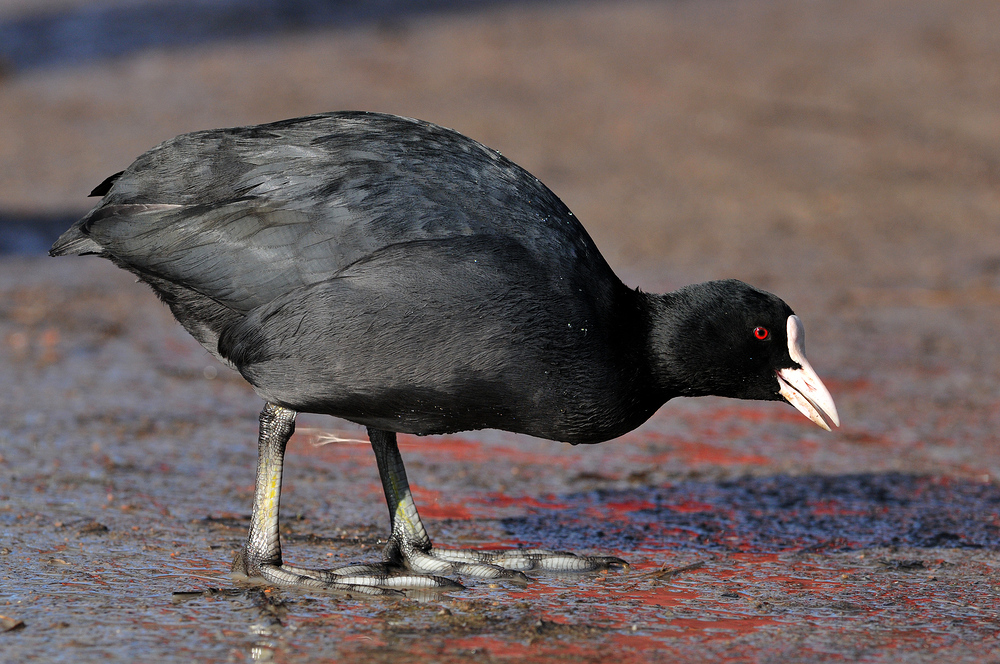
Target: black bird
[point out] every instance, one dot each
(402, 276)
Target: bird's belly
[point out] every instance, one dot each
(437, 404)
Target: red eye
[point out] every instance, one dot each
(760, 332)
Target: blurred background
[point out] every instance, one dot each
(843, 154)
(753, 138)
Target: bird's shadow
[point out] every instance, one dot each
(777, 513)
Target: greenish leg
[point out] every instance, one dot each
(409, 547)
(263, 546)
(260, 556)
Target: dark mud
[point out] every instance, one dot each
(127, 478)
(779, 513)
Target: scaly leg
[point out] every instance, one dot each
(409, 544)
(261, 554)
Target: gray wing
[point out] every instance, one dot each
(245, 215)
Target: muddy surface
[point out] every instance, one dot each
(843, 155)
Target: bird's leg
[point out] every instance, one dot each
(410, 545)
(261, 554)
(408, 534)
(263, 548)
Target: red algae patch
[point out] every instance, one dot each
(434, 505)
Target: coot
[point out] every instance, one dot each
(405, 277)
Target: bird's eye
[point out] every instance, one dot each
(761, 333)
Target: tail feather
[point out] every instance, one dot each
(74, 242)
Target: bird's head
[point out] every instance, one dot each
(729, 339)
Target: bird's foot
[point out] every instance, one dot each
(378, 579)
(504, 563)
(422, 571)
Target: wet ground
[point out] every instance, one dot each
(843, 155)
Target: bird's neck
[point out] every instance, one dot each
(671, 343)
